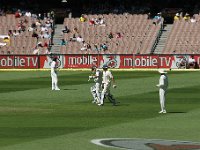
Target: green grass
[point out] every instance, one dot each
(32, 117)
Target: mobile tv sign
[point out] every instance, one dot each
(128, 61)
(12, 61)
(122, 61)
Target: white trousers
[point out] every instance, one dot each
(95, 90)
(162, 94)
(54, 79)
(106, 90)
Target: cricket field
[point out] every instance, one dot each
(33, 117)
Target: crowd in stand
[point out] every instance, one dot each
(186, 17)
(23, 23)
(109, 33)
(40, 26)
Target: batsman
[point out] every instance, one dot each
(96, 89)
(106, 84)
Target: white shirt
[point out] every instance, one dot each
(98, 76)
(28, 14)
(79, 39)
(107, 77)
(44, 29)
(193, 20)
(53, 67)
(163, 82)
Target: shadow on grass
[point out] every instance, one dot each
(177, 112)
(70, 89)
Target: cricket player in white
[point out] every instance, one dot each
(54, 76)
(163, 84)
(95, 90)
(106, 84)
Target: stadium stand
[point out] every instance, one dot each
(25, 33)
(132, 34)
(133, 31)
(184, 37)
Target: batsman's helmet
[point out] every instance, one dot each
(105, 67)
(93, 68)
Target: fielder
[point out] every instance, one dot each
(106, 84)
(163, 84)
(54, 76)
(95, 90)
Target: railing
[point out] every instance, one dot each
(157, 38)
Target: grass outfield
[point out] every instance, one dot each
(32, 117)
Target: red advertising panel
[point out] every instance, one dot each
(112, 60)
(28, 62)
(81, 61)
(45, 61)
(126, 61)
(6, 62)
(166, 61)
(119, 61)
(146, 61)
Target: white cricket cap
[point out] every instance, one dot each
(161, 71)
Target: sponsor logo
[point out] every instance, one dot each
(147, 144)
(19, 61)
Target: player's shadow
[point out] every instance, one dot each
(176, 112)
(70, 89)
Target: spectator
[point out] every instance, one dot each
(82, 18)
(28, 14)
(6, 40)
(18, 14)
(91, 22)
(36, 51)
(73, 38)
(118, 35)
(63, 42)
(15, 33)
(46, 35)
(101, 22)
(84, 46)
(149, 15)
(110, 35)
(23, 28)
(79, 39)
(44, 28)
(35, 34)
(39, 44)
(65, 30)
(33, 25)
(157, 19)
(46, 45)
(186, 17)
(193, 20)
(30, 29)
(38, 23)
(177, 17)
(75, 30)
(103, 47)
(10, 33)
(2, 44)
(96, 47)
(88, 46)
(96, 21)
(48, 24)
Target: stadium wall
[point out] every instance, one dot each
(76, 61)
